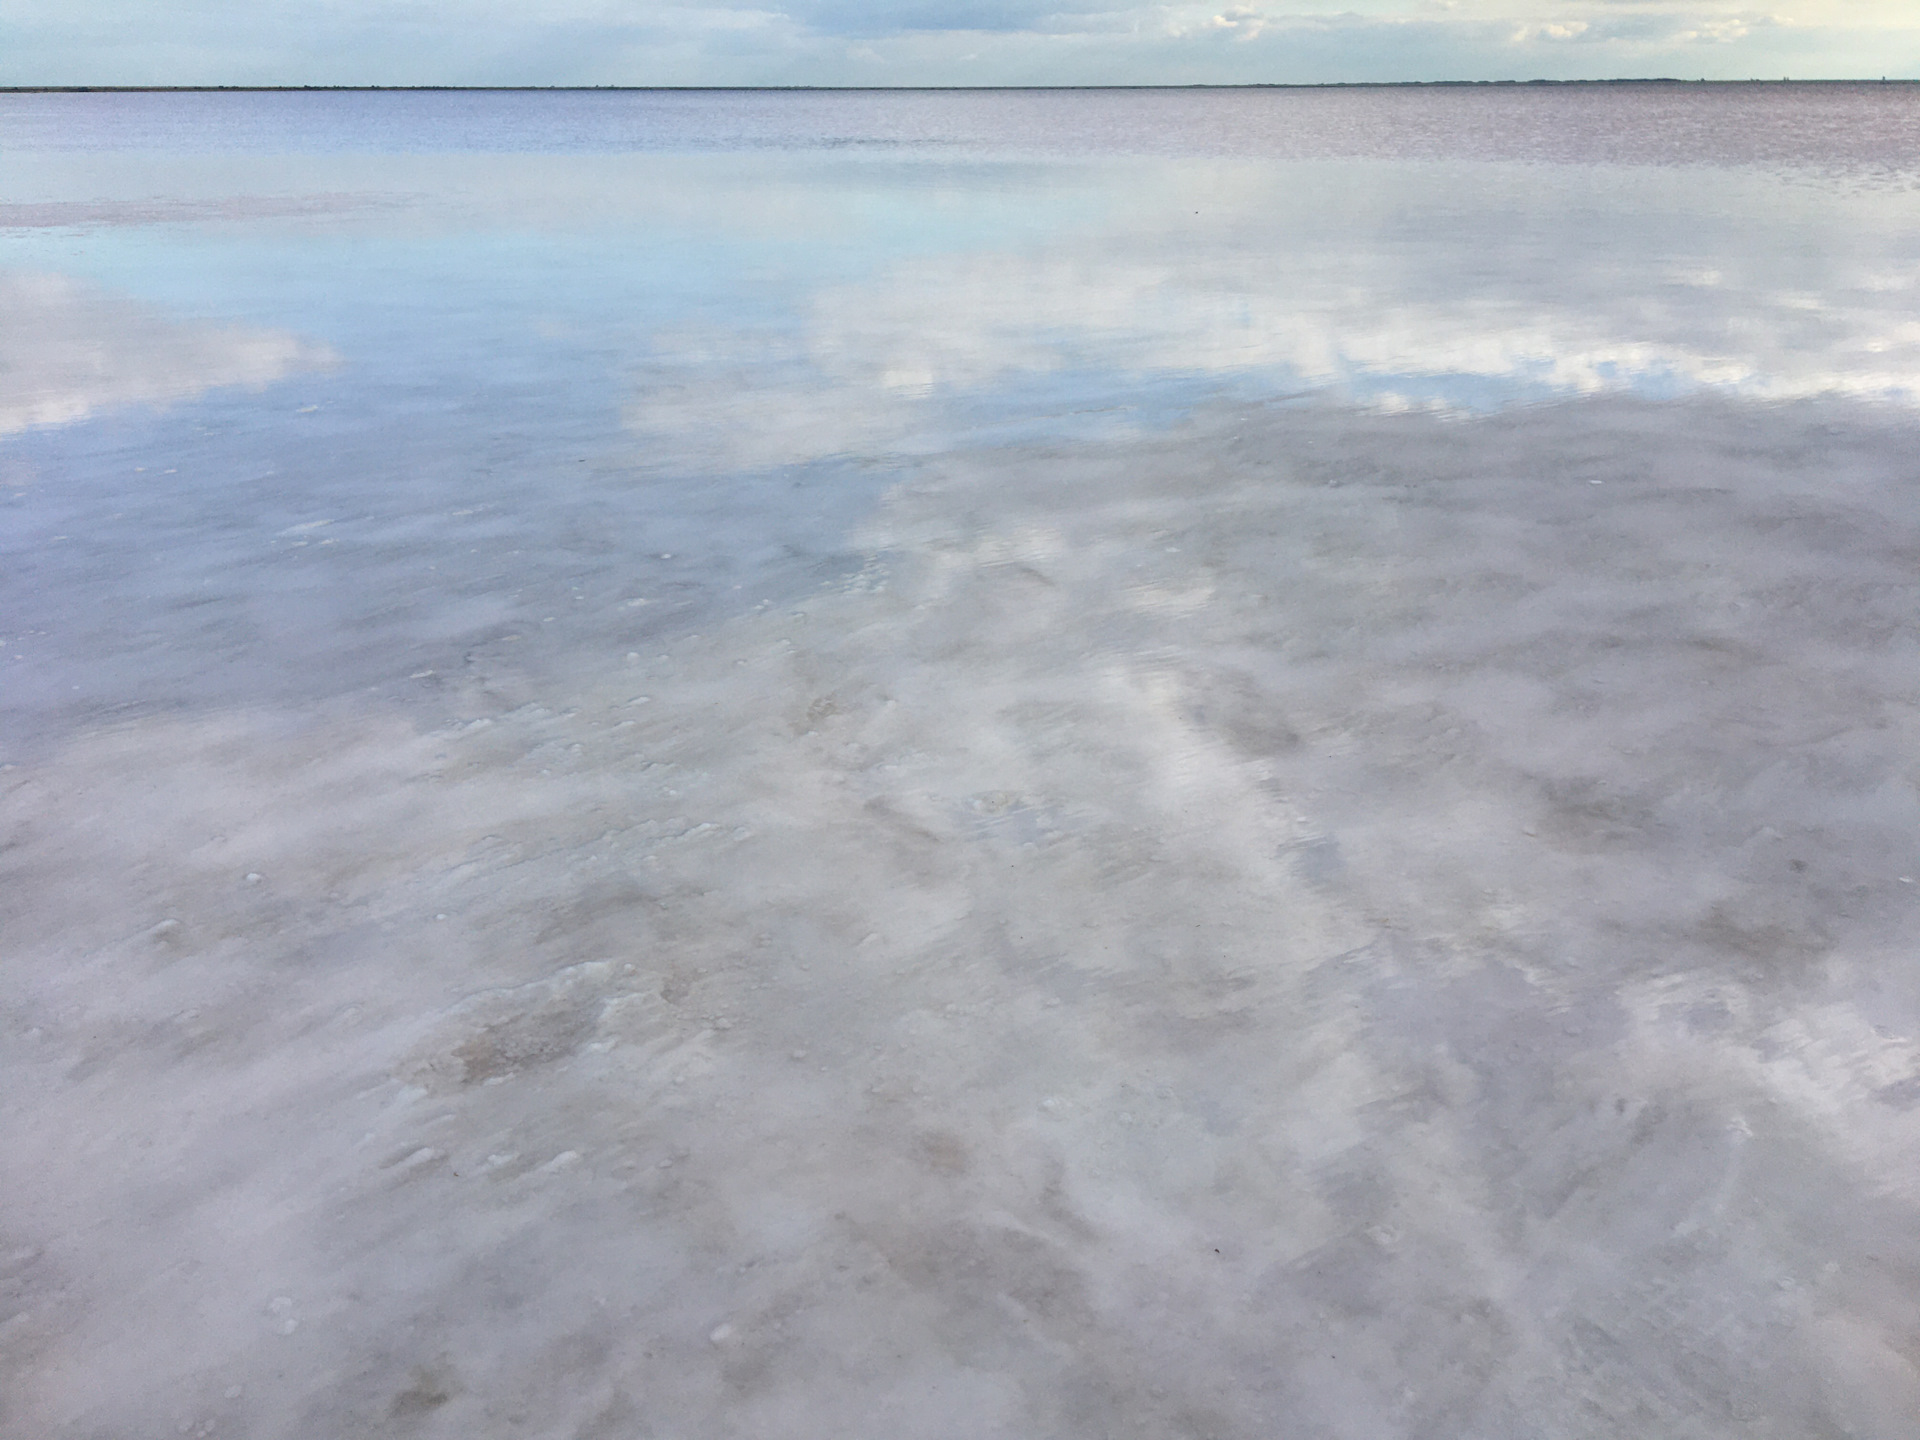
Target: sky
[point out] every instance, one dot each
(944, 42)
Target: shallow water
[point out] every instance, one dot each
(1095, 763)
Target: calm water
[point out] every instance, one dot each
(510, 350)
(961, 766)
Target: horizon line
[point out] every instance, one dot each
(870, 89)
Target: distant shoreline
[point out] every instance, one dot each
(905, 89)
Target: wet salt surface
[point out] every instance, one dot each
(1301, 821)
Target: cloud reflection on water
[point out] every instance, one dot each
(1370, 284)
(69, 349)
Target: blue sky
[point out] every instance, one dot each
(943, 42)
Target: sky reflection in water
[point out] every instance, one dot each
(791, 306)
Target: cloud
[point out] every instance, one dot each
(1243, 21)
(68, 350)
(853, 18)
(1718, 32)
(940, 42)
(1550, 30)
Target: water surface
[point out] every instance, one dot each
(961, 763)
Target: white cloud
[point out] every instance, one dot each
(1243, 21)
(1718, 32)
(1550, 30)
(942, 41)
